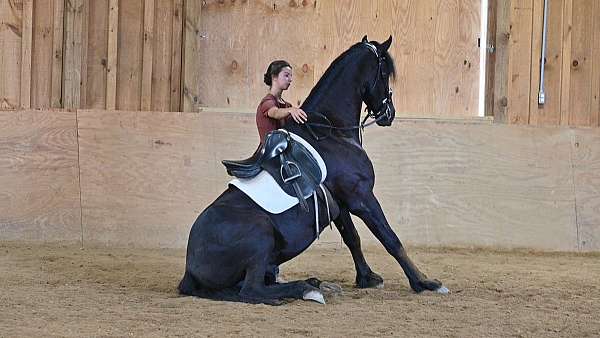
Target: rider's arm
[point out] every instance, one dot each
(280, 113)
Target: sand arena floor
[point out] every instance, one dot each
(51, 290)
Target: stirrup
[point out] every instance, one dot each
(289, 168)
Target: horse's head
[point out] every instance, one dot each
(377, 94)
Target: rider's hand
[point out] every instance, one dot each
(298, 115)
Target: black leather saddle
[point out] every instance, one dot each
(292, 165)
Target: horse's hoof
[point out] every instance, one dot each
(330, 288)
(372, 280)
(426, 285)
(314, 296)
(443, 290)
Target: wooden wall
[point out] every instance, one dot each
(572, 65)
(435, 48)
(127, 178)
(39, 176)
(91, 54)
(144, 55)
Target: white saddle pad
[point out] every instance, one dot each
(264, 190)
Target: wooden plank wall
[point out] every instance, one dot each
(31, 39)
(572, 67)
(116, 54)
(435, 49)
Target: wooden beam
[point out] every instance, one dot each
(565, 88)
(191, 55)
(57, 54)
(596, 67)
(519, 67)
(83, 50)
(111, 67)
(73, 53)
(148, 50)
(490, 69)
(176, 56)
(502, 39)
(26, 47)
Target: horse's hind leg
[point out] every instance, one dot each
(254, 289)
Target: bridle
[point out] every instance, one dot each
(383, 109)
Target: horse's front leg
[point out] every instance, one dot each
(365, 277)
(368, 209)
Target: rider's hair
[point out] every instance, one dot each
(274, 69)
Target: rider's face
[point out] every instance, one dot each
(284, 78)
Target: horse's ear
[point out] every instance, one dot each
(386, 45)
(364, 39)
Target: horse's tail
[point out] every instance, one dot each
(190, 287)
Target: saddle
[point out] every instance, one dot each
(288, 161)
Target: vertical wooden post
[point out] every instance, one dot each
(26, 45)
(111, 68)
(490, 69)
(191, 56)
(176, 56)
(146, 98)
(74, 52)
(566, 66)
(502, 39)
(57, 54)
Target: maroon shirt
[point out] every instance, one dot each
(265, 123)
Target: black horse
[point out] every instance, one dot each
(234, 244)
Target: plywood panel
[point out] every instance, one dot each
(456, 58)
(130, 50)
(281, 18)
(412, 26)
(225, 53)
(342, 24)
(97, 54)
(11, 16)
(39, 198)
(586, 164)
(457, 184)
(159, 169)
(440, 183)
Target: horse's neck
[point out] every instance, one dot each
(338, 97)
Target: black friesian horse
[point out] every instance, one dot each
(234, 244)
